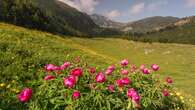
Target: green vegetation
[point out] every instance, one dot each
(150, 23)
(24, 53)
(51, 16)
(176, 60)
(183, 34)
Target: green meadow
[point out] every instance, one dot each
(23, 52)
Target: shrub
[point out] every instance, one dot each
(77, 86)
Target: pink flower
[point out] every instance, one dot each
(108, 71)
(133, 68)
(125, 72)
(146, 71)
(125, 81)
(100, 78)
(69, 81)
(122, 82)
(91, 70)
(57, 68)
(49, 67)
(49, 77)
(25, 95)
(111, 67)
(124, 62)
(132, 94)
(119, 82)
(169, 80)
(110, 88)
(76, 94)
(77, 72)
(65, 65)
(165, 92)
(142, 67)
(155, 67)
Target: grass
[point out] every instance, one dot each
(24, 51)
(175, 60)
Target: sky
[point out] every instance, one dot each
(131, 10)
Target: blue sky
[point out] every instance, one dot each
(130, 10)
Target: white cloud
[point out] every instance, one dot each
(190, 3)
(113, 14)
(155, 5)
(87, 6)
(137, 8)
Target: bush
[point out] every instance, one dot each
(78, 86)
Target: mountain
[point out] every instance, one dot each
(149, 24)
(48, 15)
(181, 31)
(105, 22)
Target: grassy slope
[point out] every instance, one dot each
(25, 50)
(175, 60)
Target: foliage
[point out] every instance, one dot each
(183, 34)
(24, 53)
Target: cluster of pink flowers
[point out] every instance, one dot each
(52, 67)
(145, 70)
(71, 79)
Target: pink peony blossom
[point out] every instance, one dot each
(125, 72)
(155, 67)
(76, 94)
(122, 82)
(65, 65)
(69, 81)
(108, 71)
(124, 62)
(49, 77)
(165, 92)
(111, 67)
(57, 68)
(125, 81)
(142, 67)
(25, 95)
(133, 95)
(146, 71)
(169, 80)
(91, 70)
(100, 78)
(49, 67)
(77, 72)
(119, 82)
(110, 88)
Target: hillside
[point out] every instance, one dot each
(48, 15)
(24, 52)
(181, 31)
(103, 21)
(149, 24)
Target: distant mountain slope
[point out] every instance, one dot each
(48, 15)
(149, 24)
(103, 21)
(181, 31)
